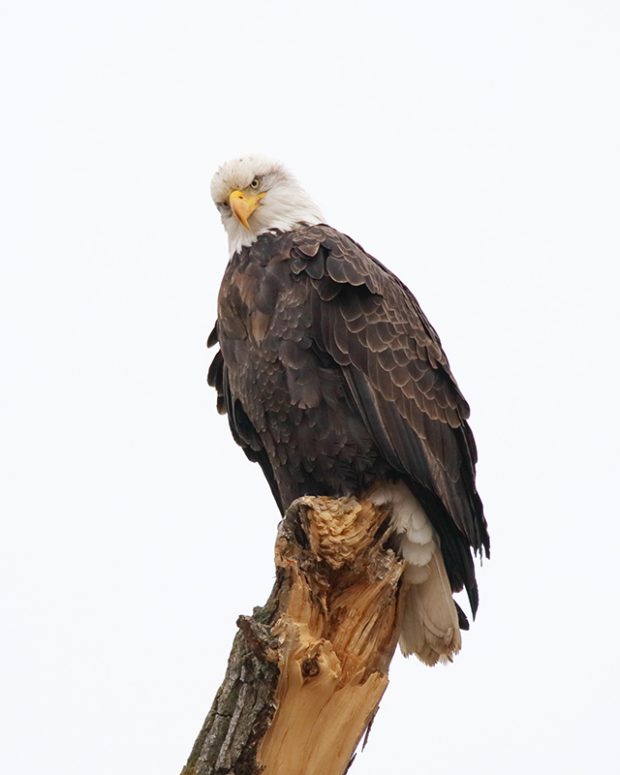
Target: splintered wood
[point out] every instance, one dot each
(330, 629)
(337, 631)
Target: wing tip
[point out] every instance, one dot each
(213, 338)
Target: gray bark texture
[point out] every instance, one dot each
(244, 704)
(308, 669)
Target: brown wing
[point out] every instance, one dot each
(241, 428)
(400, 381)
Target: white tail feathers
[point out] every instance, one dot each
(429, 621)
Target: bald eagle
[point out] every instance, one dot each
(335, 382)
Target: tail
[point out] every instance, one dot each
(429, 621)
(429, 618)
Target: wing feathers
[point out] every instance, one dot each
(400, 381)
(358, 315)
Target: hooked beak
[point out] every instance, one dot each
(243, 205)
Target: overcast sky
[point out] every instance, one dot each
(473, 148)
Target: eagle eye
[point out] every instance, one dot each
(255, 183)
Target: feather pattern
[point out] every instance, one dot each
(333, 378)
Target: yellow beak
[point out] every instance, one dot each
(243, 205)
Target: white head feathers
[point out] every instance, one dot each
(277, 200)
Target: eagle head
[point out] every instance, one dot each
(255, 195)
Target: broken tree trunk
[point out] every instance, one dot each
(308, 669)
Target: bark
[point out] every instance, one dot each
(308, 669)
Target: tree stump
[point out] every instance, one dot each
(308, 669)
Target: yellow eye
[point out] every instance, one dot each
(255, 183)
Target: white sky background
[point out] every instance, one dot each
(474, 148)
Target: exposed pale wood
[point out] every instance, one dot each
(308, 670)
